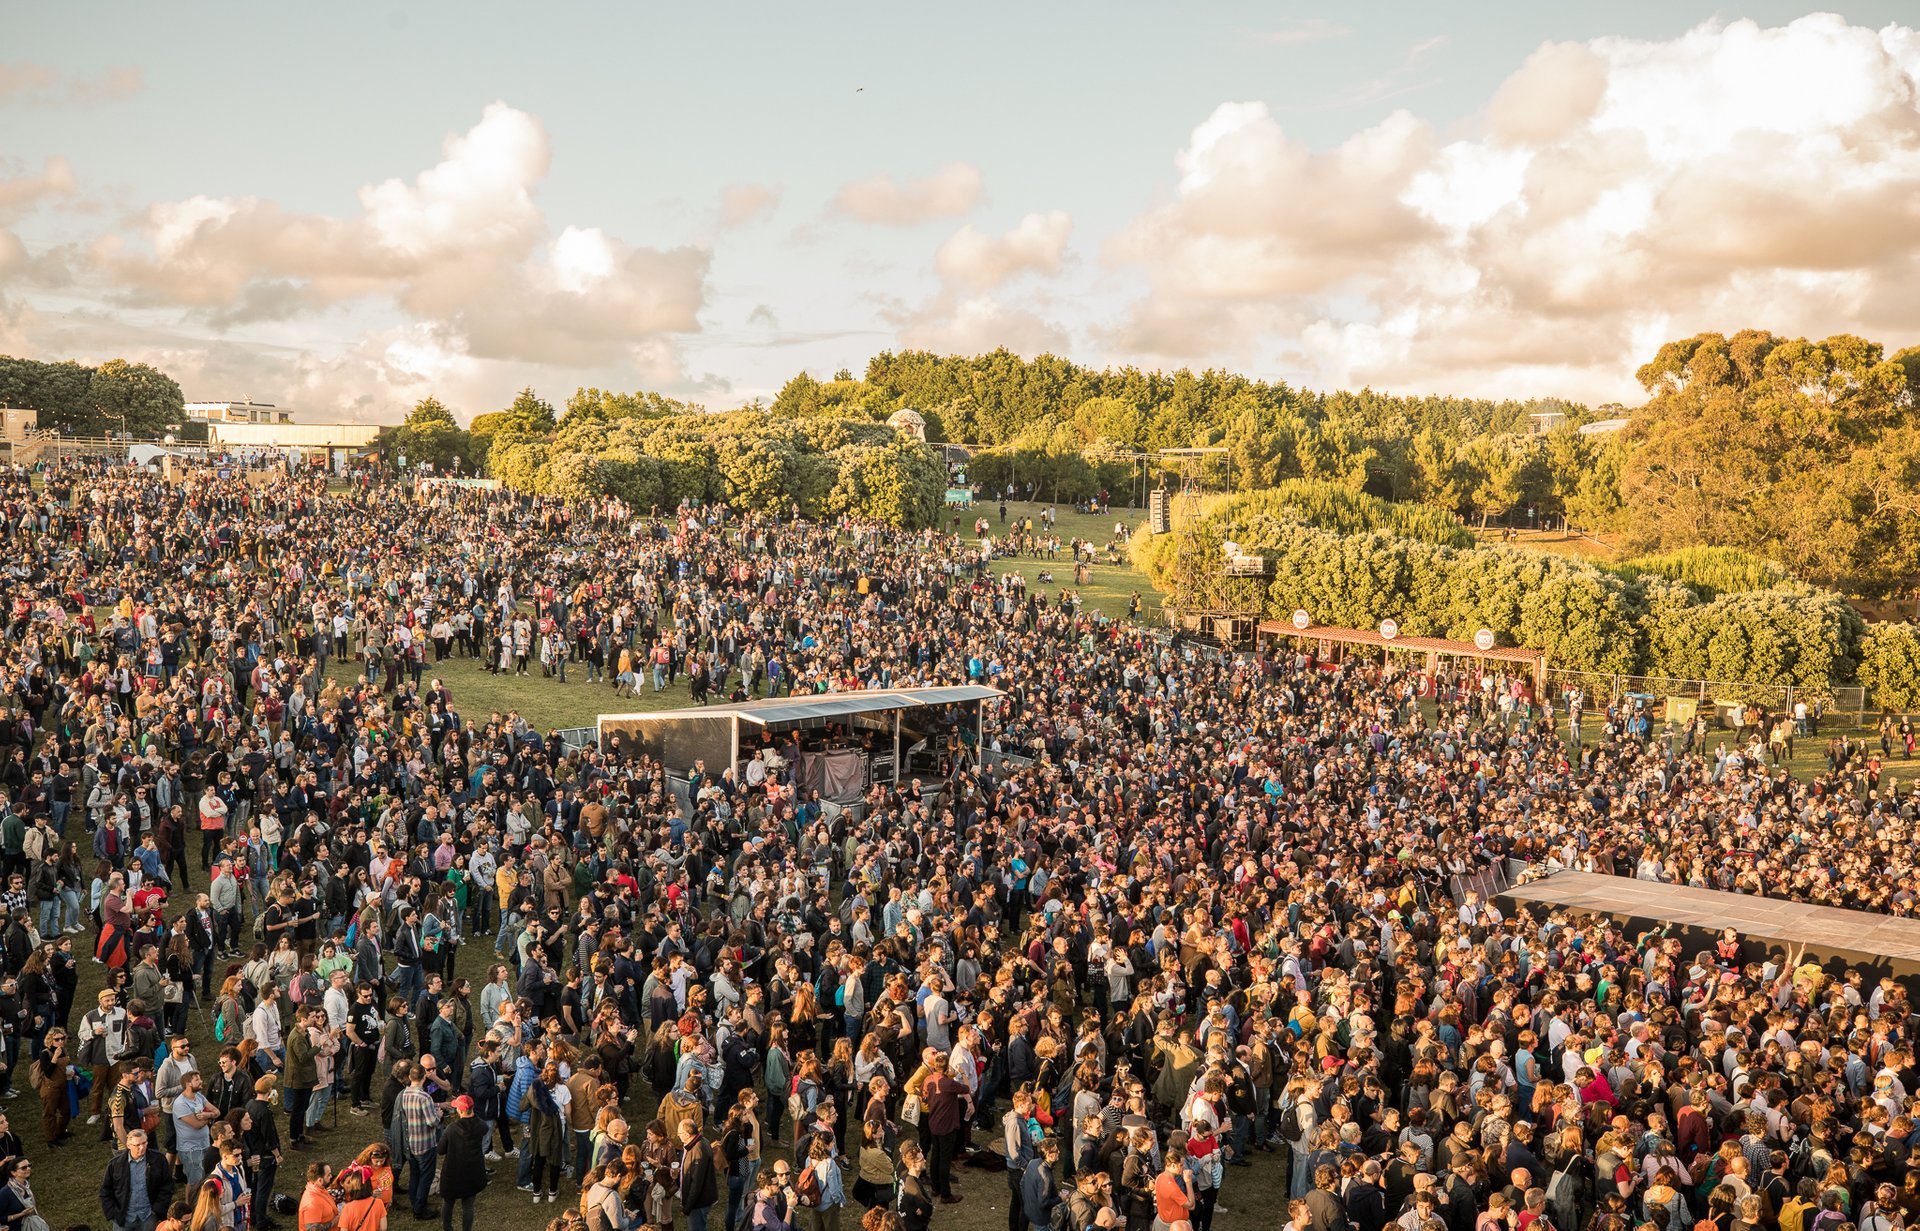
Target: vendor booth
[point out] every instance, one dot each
(839, 743)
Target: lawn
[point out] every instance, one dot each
(1110, 586)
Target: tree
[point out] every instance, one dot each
(428, 436)
(136, 398)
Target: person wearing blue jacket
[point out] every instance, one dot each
(1039, 1190)
(519, 1110)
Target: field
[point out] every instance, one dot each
(1110, 586)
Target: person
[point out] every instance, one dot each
(699, 1177)
(1039, 1188)
(947, 1108)
(135, 1187)
(463, 1165)
(417, 1121)
(820, 1184)
(318, 1210)
(17, 1202)
(193, 1114)
(546, 1140)
(916, 1196)
(361, 1209)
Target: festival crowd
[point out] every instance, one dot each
(1181, 936)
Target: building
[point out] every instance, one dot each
(1602, 427)
(237, 412)
(1545, 421)
(333, 445)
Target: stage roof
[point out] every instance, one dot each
(1411, 645)
(1854, 935)
(776, 710)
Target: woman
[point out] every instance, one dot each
(1173, 1195)
(739, 1150)
(360, 1209)
(840, 1086)
(1206, 1161)
(874, 1178)
(546, 1131)
(778, 1068)
(825, 1166)
(650, 1175)
(1665, 1191)
(916, 1191)
(376, 1164)
(206, 1208)
(17, 1203)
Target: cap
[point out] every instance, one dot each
(463, 1105)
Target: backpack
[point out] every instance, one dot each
(806, 1188)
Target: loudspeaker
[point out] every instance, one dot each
(1159, 516)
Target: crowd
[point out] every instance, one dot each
(1179, 937)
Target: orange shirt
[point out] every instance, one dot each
(317, 1208)
(1172, 1202)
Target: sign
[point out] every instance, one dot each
(1484, 639)
(1301, 619)
(1389, 630)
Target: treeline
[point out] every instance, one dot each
(1637, 618)
(76, 400)
(654, 456)
(1071, 431)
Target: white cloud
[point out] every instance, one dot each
(741, 204)
(1614, 191)
(972, 326)
(39, 85)
(948, 193)
(462, 251)
(980, 262)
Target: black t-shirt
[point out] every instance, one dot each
(367, 1023)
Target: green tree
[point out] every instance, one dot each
(428, 436)
(136, 398)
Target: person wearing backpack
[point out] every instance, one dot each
(1831, 1216)
(1796, 1210)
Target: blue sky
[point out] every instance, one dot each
(1329, 195)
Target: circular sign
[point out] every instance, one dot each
(1301, 619)
(1389, 630)
(1484, 639)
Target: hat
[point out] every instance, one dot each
(1331, 1063)
(463, 1105)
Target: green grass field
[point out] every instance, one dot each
(1110, 585)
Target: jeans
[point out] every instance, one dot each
(736, 1192)
(524, 1177)
(420, 1187)
(70, 906)
(407, 982)
(196, 1167)
(321, 1098)
(697, 1219)
(507, 919)
(49, 916)
(582, 1154)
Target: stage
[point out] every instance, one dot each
(1832, 935)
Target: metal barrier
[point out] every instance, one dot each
(1602, 688)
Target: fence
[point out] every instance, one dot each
(1601, 689)
(579, 737)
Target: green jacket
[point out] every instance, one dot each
(302, 1071)
(13, 833)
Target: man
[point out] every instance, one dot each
(106, 1033)
(463, 1176)
(193, 1116)
(447, 1045)
(580, 1113)
(1039, 1190)
(699, 1176)
(419, 1128)
(136, 1189)
(407, 980)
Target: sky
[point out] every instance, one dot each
(343, 209)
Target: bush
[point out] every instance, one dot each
(1712, 571)
(1890, 666)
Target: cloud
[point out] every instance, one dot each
(741, 204)
(1612, 193)
(948, 193)
(1302, 30)
(38, 85)
(981, 262)
(463, 251)
(973, 326)
(25, 193)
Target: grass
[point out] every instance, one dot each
(1109, 587)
